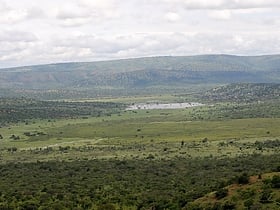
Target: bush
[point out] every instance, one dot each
(266, 196)
(228, 205)
(275, 182)
(221, 193)
(106, 207)
(243, 179)
(248, 203)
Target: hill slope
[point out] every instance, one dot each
(243, 92)
(261, 192)
(145, 72)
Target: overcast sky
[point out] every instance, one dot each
(51, 31)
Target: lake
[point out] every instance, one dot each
(163, 106)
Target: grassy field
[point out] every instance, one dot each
(138, 134)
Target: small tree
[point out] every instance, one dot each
(182, 143)
(205, 140)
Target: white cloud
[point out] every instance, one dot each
(100, 44)
(71, 12)
(13, 15)
(220, 14)
(225, 4)
(3, 6)
(99, 4)
(172, 16)
(16, 36)
(71, 15)
(9, 16)
(15, 44)
(93, 47)
(35, 12)
(87, 30)
(104, 8)
(79, 13)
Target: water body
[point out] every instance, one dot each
(163, 106)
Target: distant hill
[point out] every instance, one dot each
(145, 72)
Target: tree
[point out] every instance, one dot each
(182, 143)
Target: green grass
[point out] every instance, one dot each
(170, 130)
(139, 134)
(168, 125)
(135, 99)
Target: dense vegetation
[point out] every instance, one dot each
(138, 184)
(90, 93)
(258, 192)
(22, 109)
(243, 92)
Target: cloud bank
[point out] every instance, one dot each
(85, 30)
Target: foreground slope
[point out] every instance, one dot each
(259, 192)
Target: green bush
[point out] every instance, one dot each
(243, 179)
(221, 193)
(275, 182)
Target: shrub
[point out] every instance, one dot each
(221, 193)
(266, 196)
(275, 182)
(243, 179)
(106, 207)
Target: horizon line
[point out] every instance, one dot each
(140, 57)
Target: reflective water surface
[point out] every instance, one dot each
(163, 106)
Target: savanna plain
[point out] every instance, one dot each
(95, 153)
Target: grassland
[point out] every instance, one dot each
(139, 134)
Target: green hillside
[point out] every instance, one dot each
(243, 92)
(145, 72)
(255, 192)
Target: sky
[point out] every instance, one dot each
(54, 31)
